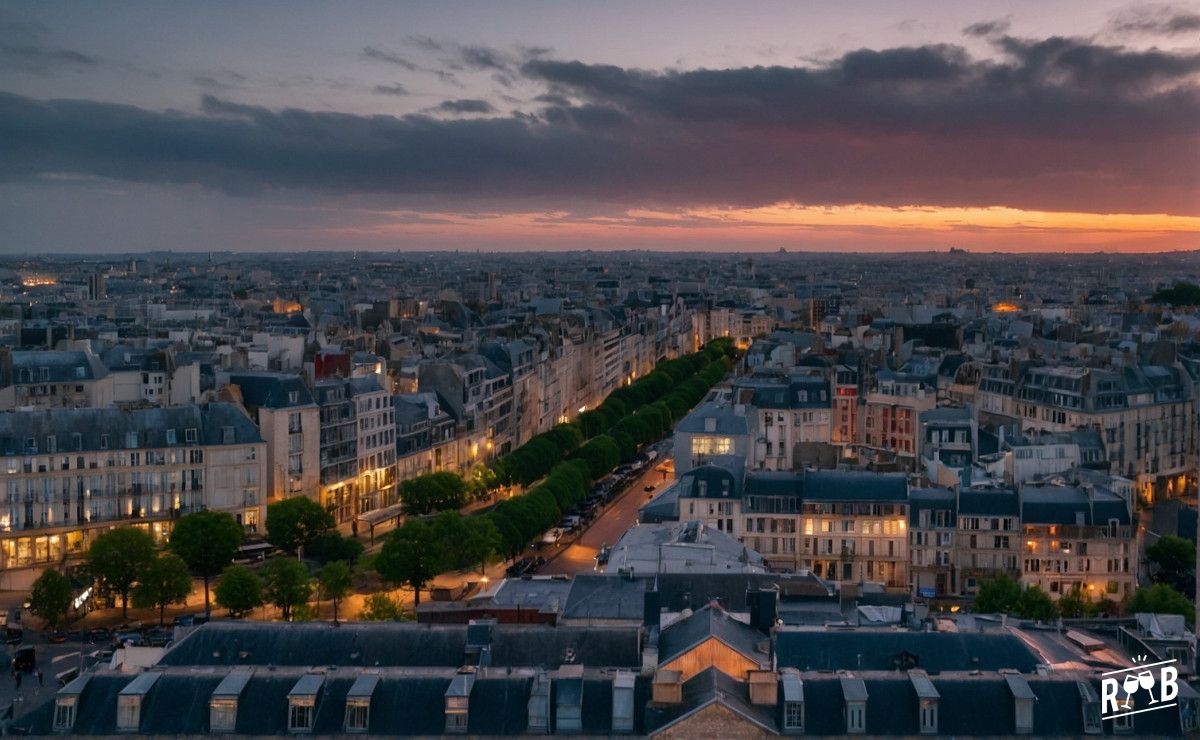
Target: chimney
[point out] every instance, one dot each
(764, 688)
(764, 606)
(651, 609)
(667, 689)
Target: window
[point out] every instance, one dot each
(104, 441)
(712, 445)
(189, 435)
(793, 716)
(222, 715)
(64, 714)
(928, 717)
(1123, 722)
(170, 436)
(856, 718)
(300, 717)
(128, 713)
(357, 716)
(131, 439)
(456, 723)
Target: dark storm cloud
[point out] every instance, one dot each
(1156, 20)
(390, 57)
(396, 89)
(1054, 124)
(465, 106)
(39, 59)
(988, 28)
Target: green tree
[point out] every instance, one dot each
(51, 598)
(1172, 561)
(286, 585)
(239, 590)
(1034, 603)
(334, 581)
(331, 546)
(381, 608)
(410, 555)
(433, 492)
(1161, 599)
(1181, 294)
(118, 558)
(295, 522)
(207, 542)
(165, 581)
(997, 595)
(1076, 604)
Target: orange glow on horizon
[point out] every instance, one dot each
(912, 227)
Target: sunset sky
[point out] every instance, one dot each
(867, 126)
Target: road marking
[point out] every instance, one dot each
(64, 657)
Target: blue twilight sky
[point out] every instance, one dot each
(544, 125)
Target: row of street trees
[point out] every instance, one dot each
(566, 459)
(1003, 595)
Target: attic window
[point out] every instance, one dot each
(170, 436)
(79, 372)
(104, 441)
(129, 710)
(189, 435)
(222, 715)
(64, 714)
(293, 396)
(43, 373)
(77, 441)
(131, 440)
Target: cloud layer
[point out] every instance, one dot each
(1050, 124)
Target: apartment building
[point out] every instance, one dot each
(1145, 414)
(290, 422)
(715, 432)
(793, 418)
(932, 521)
(72, 474)
(987, 540)
(1078, 536)
(375, 447)
(844, 421)
(890, 413)
(844, 526)
(425, 441)
(45, 379)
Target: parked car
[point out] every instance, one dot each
(25, 659)
(519, 568)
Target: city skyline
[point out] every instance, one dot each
(535, 127)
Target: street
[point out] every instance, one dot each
(580, 555)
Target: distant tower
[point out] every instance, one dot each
(97, 291)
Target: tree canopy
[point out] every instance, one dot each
(239, 590)
(411, 555)
(166, 580)
(295, 522)
(50, 598)
(286, 585)
(207, 542)
(119, 558)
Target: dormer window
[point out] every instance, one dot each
(223, 705)
(458, 703)
(854, 694)
(129, 701)
(66, 704)
(64, 713)
(293, 396)
(131, 440)
(623, 702)
(170, 436)
(189, 435)
(927, 701)
(302, 702)
(793, 702)
(358, 703)
(1090, 704)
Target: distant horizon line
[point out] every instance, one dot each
(641, 250)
